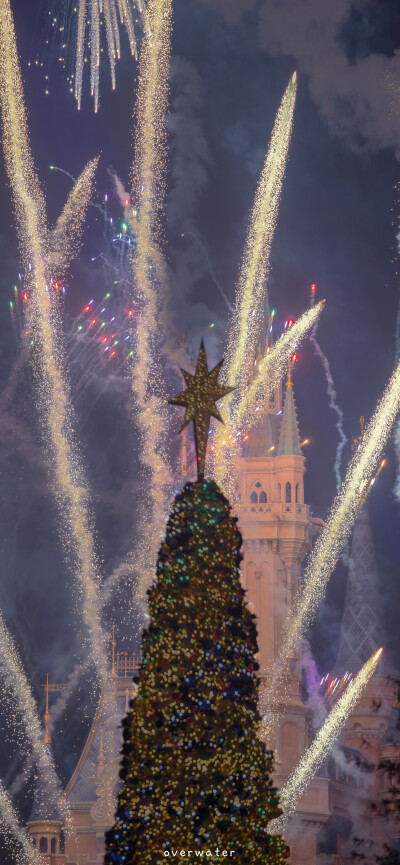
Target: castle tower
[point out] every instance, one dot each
(45, 829)
(92, 791)
(275, 523)
(277, 528)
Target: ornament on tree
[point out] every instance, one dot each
(196, 777)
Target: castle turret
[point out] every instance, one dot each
(275, 522)
(45, 828)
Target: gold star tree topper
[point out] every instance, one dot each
(203, 391)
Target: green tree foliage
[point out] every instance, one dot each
(196, 776)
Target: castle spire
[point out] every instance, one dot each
(362, 629)
(289, 438)
(46, 717)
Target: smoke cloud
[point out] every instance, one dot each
(334, 48)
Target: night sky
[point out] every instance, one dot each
(337, 227)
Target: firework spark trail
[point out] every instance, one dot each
(147, 267)
(91, 14)
(333, 404)
(15, 679)
(315, 755)
(243, 417)
(66, 234)
(255, 265)
(54, 393)
(331, 540)
(80, 51)
(9, 819)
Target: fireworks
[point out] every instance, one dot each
(91, 15)
(313, 758)
(65, 237)
(148, 271)
(54, 394)
(15, 679)
(10, 822)
(246, 413)
(255, 264)
(330, 689)
(330, 543)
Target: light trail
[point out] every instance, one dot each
(13, 674)
(249, 410)
(91, 16)
(9, 820)
(315, 755)
(330, 543)
(66, 234)
(255, 265)
(54, 393)
(148, 277)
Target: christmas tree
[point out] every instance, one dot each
(196, 776)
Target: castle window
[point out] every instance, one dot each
(263, 498)
(254, 498)
(53, 846)
(288, 492)
(297, 493)
(34, 842)
(279, 493)
(62, 843)
(43, 846)
(258, 485)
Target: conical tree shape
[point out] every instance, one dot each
(196, 776)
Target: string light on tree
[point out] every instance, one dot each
(195, 774)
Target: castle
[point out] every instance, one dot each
(278, 530)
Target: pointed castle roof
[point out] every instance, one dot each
(362, 628)
(45, 802)
(289, 438)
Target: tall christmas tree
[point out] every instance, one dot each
(196, 776)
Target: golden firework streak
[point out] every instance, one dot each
(243, 417)
(148, 194)
(315, 755)
(34, 238)
(254, 269)
(96, 11)
(8, 817)
(66, 234)
(330, 543)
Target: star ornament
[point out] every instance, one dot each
(200, 398)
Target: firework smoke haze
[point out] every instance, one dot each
(54, 396)
(315, 755)
(330, 543)
(255, 265)
(333, 404)
(149, 273)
